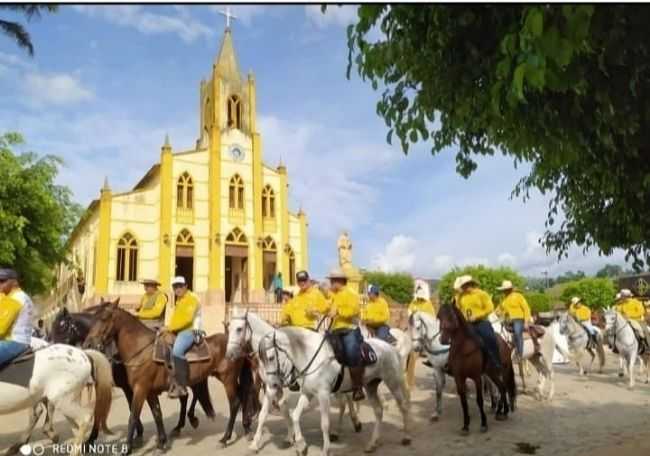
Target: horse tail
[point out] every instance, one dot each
(202, 394)
(248, 391)
(600, 349)
(103, 376)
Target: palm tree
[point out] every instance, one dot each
(15, 30)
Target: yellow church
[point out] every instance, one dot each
(215, 214)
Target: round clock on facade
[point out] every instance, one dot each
(236, 153)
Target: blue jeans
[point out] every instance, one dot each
(485, 331)
(518, 335)
(351, 341)
(9, 350)
(383, 332)
(183, 343)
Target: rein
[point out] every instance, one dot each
(426, 341)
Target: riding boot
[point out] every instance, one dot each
(536, 345)
(178, 381)
(356, 375)
(427, 363)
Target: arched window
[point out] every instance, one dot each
(268, 202)
(269, 244)
(292, 266)
(184, 238)
(127, 259)
(234, 112)
(236, 192)
(236, 236)
(185, 192)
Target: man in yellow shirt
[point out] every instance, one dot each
(514, 309)
(582, 314)
(377, 315)
(186, 324)
(304, 309)
(421, 303)
(633, 310)
(152, 304)
(345, 312)
(16, 310)
(476, 305)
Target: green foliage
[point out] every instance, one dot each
(610, 270)
(538, 302)
(398, 286)
(595, 292)
(35, 214)
(563, 87)
(16, 31)
(570, 276)
(488, 278)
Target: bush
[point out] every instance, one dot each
(397, 286)
(538, 302)
(488, 278)
(595, 292)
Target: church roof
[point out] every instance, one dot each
(226, 65)
(152, 171)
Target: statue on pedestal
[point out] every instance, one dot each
(344, 246)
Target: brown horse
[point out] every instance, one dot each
(467, 360)
(148, 379)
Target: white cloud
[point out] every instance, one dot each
(507, 259)
(145, 21)
(398, 256)
(339, 16)
(57, 89)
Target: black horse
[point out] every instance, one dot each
(72, 329)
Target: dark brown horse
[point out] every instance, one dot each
(149, 379)
(72, 328)
(467, 360)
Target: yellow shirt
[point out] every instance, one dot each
(475, 304)
(421, 305)
(376, 313)
(155, 311)
(184, 312)
(345, 305)
(9, 310)
(580, 312)
(632, 309)
(514, 307)
(304, 309)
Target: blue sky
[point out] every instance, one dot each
(108, 82)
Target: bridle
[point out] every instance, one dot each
(102, 345)
(425, 341)
(247, 327)
(617, 330)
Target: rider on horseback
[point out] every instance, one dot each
(186, 324)
(377, 315)
(421, 303)
(515, 310)
(344, 310)
(633, 310)
(582, 314)
(152, 304)
(304, 309)
(15, 317)
(476, 305)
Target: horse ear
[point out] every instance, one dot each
(117, 301)
(64, 311)
(115, 305)
(101, 300)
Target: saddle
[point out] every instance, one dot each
(19, 370)
(533, 331)
(164, 342)
(367, 355)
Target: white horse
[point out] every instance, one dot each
(542, 361)
(59, 375)
(621, 335)
(579, 342)
(287, 350)
(248, 328)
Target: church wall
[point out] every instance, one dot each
(295, 241)
(82, 253)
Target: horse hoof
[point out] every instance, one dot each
(253, 447)
(249, 437)
(175, 432)
(484, 429)
(620, 375)
(334, 438)
(284, 445)
(370, 449)
(406, 441)
(55, 439)
(15, 448)
(464, 432)
(194, 421)
(434, 418)
(501, 417)
(358, 427)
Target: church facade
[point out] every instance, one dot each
(215, 214)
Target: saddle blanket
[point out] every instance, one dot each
(163, 347)
(19, 371)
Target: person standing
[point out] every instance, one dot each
(16, 310)
(278, 286)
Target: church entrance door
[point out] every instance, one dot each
(236, 267)
(185, 257)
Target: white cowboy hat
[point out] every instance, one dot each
(625, 293)
(506, 285)
(179, 280)
(576, 300)
(464, 280)
(456, 284)
(337, 273)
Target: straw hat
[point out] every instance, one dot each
(464, 280)
(150, 282)
(456, 284)
(337, 273)
(575, 300)
(625, 293)
(506, 285)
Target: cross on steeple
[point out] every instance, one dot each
(228, 16)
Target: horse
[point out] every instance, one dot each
(467, 360)
(292, 353)
(621, 336)
(542, 360)
(59, 375)
(578, 339)
(72, 329)
(245, 330)
(148, 379)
